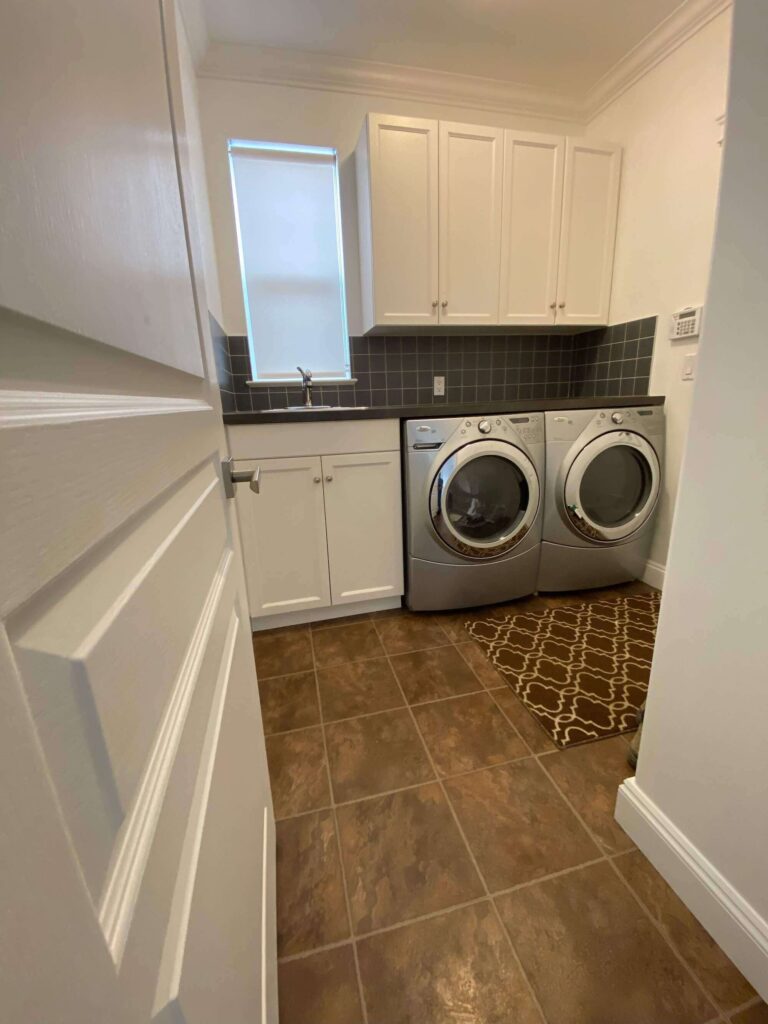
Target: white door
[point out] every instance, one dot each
(364, 522)
(283, 533)
(403, 198)
(588, 236)
(530, 229)
(471, 164)
(136, 835)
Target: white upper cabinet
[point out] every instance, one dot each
(468, 225)
(471, 162)
(530, 232)
(397, 200)
(588, 235)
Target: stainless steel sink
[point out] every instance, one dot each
(315, 408)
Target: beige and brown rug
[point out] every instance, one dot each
(581, 670)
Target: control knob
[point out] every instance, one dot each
(617, 417)
(484, 427)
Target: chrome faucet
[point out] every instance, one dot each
(306, 385)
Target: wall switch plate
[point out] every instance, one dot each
(438, 386)
(689, 366)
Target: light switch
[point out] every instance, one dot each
(689, 366)
(439, 386)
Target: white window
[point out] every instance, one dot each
(289, 234)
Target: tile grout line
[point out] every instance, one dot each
(610, 860)
(338, 664)
(384, 711)
(722, 1016)
(480, 876)
(347, 903)
(404, 789)
(362, 936)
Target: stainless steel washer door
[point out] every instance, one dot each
(484, 498)
(612, 486)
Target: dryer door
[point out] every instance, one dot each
(612, 486)
(484, 498)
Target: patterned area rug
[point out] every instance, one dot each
(581, 670)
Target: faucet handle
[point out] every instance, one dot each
(306, 375)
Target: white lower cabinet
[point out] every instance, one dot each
(323, 530)
(283, 536)
(364, 526)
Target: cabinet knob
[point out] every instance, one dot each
(329, 478)
(552, 305)
(317, 479)
(434, 304)
(444, 303)
(561, 305)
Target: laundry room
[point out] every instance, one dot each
(376, 665)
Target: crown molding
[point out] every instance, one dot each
(688, 19)
(305, 70)
(311, 70)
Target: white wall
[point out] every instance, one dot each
(704, 754)
(197, 163)
(667, 123)
(248, 110)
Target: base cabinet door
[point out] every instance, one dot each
(283, 536)
(364, 524)
(588, 235)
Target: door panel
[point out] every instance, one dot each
(283, 533)
(404, 220)
(364, 525)
(471, 163)
(127, 683)
(530, 234)
(590, 207)
(86, 143)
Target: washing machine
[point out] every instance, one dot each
(474, 489)
(604, 472)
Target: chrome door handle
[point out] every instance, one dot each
(252, 477)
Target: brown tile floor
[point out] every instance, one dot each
(440, 861)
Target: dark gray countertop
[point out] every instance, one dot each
(417, 412)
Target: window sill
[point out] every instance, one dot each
(317, 382)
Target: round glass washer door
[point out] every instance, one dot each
(484, 498)
(612, 486)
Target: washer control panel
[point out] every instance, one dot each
(428, 435)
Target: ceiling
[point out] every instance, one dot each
(560, 45)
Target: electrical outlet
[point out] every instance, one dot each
(438, 386)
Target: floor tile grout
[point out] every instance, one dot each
(610, 859)
(719, 1014)
(338, 664)
(347, 902)
(722, 1016)
(476, 866)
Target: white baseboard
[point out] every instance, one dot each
(733, 923)
(653, 574)
(321, 614)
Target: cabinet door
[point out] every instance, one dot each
(590, 205)
(364, 523)
(530, 229)
(283, 536)
(471, 164)
(403, 219)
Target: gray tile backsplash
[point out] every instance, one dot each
(399, 371)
